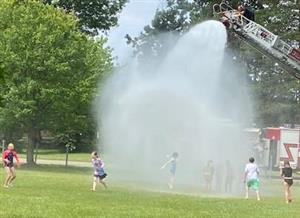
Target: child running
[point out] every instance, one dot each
(287, 175)
(99, 173)
(173, 165)
(251, 178)
(8, 161)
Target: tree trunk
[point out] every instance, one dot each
(38, 141)
(32, 141)
(29, 156)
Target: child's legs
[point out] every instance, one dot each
(247, 191)
(95, 180)
(13, 175)
(286, 194)
(257, 194)
(172, 178)
(171, 181)
(103, 183)
(255, 186)
(287, 191)
(9, 175)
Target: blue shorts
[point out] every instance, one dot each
(173, 170)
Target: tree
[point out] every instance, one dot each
(276, 92)
(94, 15)
(50, 70)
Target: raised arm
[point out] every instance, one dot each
(101, 163)
(169, 161)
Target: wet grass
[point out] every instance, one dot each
(52, 191)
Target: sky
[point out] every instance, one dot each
(133, 18)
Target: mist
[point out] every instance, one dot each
(194, 103)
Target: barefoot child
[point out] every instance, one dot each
(251, 178)
(208, 174)
(99, 173)
(8, 160)
(287, 175)
(173, 165)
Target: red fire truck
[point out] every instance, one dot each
(283, 144)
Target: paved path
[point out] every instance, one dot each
(88, 164)
(62, 162)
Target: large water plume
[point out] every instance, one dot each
(192, 104)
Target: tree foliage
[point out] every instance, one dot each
(93, 15)
(50, 70)
(276, 92)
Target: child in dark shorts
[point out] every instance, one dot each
(99, 173)
(8, 160)
(287, 175)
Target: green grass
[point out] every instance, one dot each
(57, 155)
(65, 192)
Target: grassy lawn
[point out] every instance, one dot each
(57, 155)
(60, 192)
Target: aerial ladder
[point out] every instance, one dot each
(261, 39)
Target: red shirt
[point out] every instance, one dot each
(9, 156)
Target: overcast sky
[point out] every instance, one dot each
(133, 18)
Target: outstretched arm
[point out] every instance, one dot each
(4, 157)
(281, 172)
(17, 158)
(163, 166)
(245, 176)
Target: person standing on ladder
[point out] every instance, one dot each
(246, 11)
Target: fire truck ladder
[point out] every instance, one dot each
(259, 38)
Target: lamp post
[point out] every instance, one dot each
(3, 144)
(3, 141)
(69, 147)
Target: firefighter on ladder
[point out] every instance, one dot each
(246, 11)
(235, 16)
